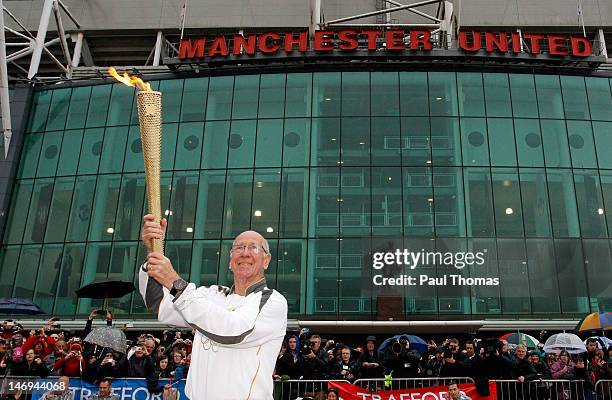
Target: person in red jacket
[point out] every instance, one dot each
(73, 364)
(41, 343)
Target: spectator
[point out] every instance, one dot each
(471, 360)
(432, 365)
(73, 364)
(401, 359)
(346, 368)
(563, 368)
(40, 342)
(455, 394)
(107, 367)
(454, 347)
(311, 364)
(104, 391)
(59, 351)
(31, 365)
(63, 390)
(523, 369)
(92, 315)
(163, 370)
(177, 358)
(287, 364)
(581, 373)
(450, 367)
(542, 370)
(159, 353)
(370, 361)
(550, 360)
(592, 346)
(332, 394)
(597, 366)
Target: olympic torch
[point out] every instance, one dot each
(149, 116)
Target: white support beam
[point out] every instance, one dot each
(602, 43)
(61, 32)
(417, 12)
(78, 46)
(315, 16)
(447, 25)
(158, 49)
(7, 130)
(40, 38)
(378, 12)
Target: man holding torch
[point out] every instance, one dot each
(239, 330)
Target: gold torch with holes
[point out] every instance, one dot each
(149, 116)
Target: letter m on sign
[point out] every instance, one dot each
(191, 49)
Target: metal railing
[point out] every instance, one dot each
(294, 388)
(552, 389)
(379, 384)
(603, 389)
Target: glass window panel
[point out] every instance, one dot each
(220, 91)
(524, 100)
(133, 151)
(271, 96)
(98, 106)
(598, 90)
(18, 212)
(575, 97)
(241, 144)
(598, 266)
(324, 202)
(325, 141)
(97, 260)
(417, 300)
(606, 189)
(485, 299)
(80, 211)
(269, 147)
(507, 199)
(209, 214)
(9, 256)
(60, 208)
(58, 110)
(39, 110)
(590, 204)
(123, 267)
(69, 279)
(105, 207)
(91, 149)
(291, 273)
(168, 149)
(445, 141)
(448, 202)
(571, 276)
(529, 143)
(603, 139)
(216, 137)
(497, 95)
(387, 201)
(205, 262)
(414, 97)
(171, 100)
(542, 270)
(183, 205)
(130, 208)
(246, 93)
(385, 93)
(323, 283)
(415, 143)
(326, 94)
(39, 211)
(514, 273)
(138, 306)
(501, 142)
(121, 105)
(355, 94)
(582, 148)
(479, 202)
(179, 252)
(385, 140)
(298, 96)
(296, 142)
(556, 146)
(30, 155)
(452, 299)
(354, 295)
(355, 202)
(442, 93)
(355, 131)
(68, 160)
(26, 272)
(294, 203)
(550, 103)
(475, 141)
(237, 205)
(47, 164)
(535, 202)
(195, 93)
(189, 145)
(471, 95)
(265, 206)
(563, 209)
(79, 102)
(418, 201)
(113, 149)
(48, 276)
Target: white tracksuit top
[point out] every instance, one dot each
(237, 338)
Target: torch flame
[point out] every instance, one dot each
(132, 81)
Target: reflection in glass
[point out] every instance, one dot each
(507, 200)
(563, 209)
(534, 194)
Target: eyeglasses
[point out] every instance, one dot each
(252, 248)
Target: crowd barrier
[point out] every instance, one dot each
(544, 390)
(603, 389)
(378, 384)
(294, 388)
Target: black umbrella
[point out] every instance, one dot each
(105, 289)
(19, 307)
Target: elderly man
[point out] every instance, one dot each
(239, 330)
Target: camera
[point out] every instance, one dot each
(305, 347)
(491, 346)
(398, 345)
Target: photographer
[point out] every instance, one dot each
(432, 363)
(73, 364)
(311, 362)
(59, 351)
(345, 369)
(370, 361)
(451, 368)
(401, 359)
(107, 367)
(39, 341)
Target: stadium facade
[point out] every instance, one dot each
(485, 130)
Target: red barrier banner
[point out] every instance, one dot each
(348, 391)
